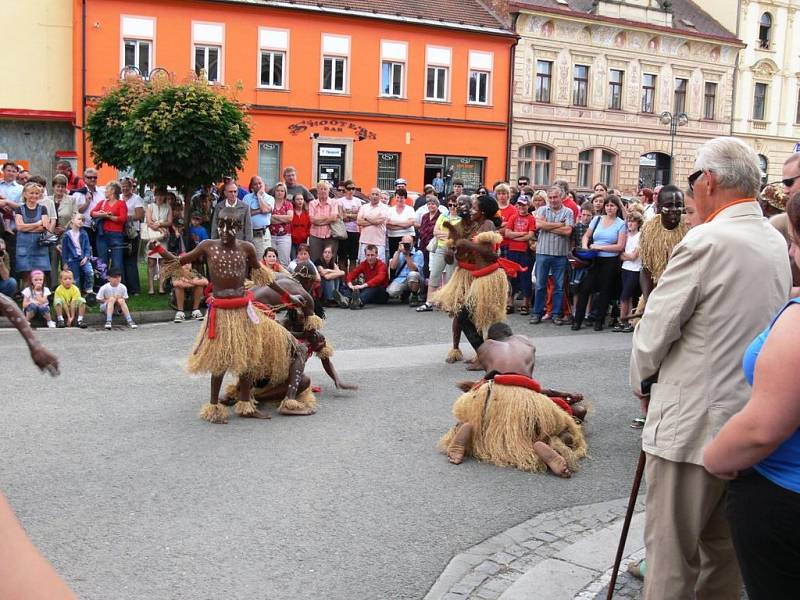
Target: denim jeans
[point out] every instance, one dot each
(546, 265)
(111, 243)
(522, 282)
(328, 285)
(83, 275)
(8, 287)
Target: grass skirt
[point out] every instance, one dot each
(453, 295)
(504, 433)
(258, 350)
(486, 300)
(305, 399)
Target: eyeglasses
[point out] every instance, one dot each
(789, 182)
(350, 188)
(90, 177)
(452, 205)
(340, 189)
(694, 177)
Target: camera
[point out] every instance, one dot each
(406, 246)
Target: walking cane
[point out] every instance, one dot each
(623, 537)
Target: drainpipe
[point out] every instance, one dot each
(83, 82)
(736, 64)
(511, 94)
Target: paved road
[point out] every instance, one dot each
(132, 496)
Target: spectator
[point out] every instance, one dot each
(202, 203)
(554, 228)
(522, 183)
(23, 176)
(348, 249)
(184, 280)
(419, 204)
(301, 223)
(303, 257)
(759, 451)
(240, 191)
(113, 297)
(64, 203)
(372, 218)
(8, 285)
(426, 222)
(569, 199)
(31, 221)
(261, 206)
(67, 301)
(699, 320)
(76, 254)
(330, 275)
(88, 199)
(606, 235)
(197, 233)
(270, 259)
(367, 282)
(35, 299)
(580, 267)
(245, 229)
(110, 217)
(281, 227)
(407, 264)
(158, 219)
(52, 250)
(74, 182)
(323, 211)
(292, 187)
(438, 185)
(538, 199)
(646, 198)
(631, 271)
(439, 270)
(502, 193)
(457, 189)
(518, 230)
(10, 194)
(399, 221)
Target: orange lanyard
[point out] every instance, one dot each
(713, 215)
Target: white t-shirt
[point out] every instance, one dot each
(27, 293)
(134, 202)
(396, 218)
(353, 205)
(107, 291)
(632, 244)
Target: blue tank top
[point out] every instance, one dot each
(782, 467)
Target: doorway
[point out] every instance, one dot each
(654, 169)
(331, 160)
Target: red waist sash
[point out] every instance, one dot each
(509, 266)
(523, 381)
(245, 301)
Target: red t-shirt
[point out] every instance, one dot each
(301, 227)
(570, 204)
(374, 276)
(519, 224)
(506, 214)
(119, 210)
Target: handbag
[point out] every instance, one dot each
(47, 239)
(338, 230)
(151, 235)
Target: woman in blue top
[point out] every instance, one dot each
(759, 450)
(608, 234)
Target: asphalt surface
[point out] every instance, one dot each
(131, 496)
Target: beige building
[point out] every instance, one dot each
(593, 81)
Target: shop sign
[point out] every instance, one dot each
(332, 126)
(328, 151)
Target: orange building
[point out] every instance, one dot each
(340, 89)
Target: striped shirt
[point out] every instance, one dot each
(550, 243)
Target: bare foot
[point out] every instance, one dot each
(465, 386)
(455, 453)
(579, 412)
(573, 398)
(474, 365)
(346, 386)
(458, 446)
(293, 408)
(554, 461)
(257, 414)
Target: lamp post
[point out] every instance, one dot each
(674, 121)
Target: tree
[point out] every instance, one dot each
(181, 135)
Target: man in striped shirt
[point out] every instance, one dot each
(554, 226)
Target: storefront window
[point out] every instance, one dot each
(467, 169)
(388, 169)
(269, 162)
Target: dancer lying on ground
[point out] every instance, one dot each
(508, 419)
(238, 335)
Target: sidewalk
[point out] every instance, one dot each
(94, 318)
(559, 555)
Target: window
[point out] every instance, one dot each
(479, 87)
(393, 65)
(273, 52)
(392, 79)
(269, 162)
(580, 85)
(648, 93)
(764, 30)
(544, 75)
(615, 89)
(585, 168)
(763, 165)
(468, 169)
(607, 160)
(760, 101)
(437, 73)
(680, 95)
(436, 84)
(388, 169)
(535, 162)
(137, 55)
(207, 41)
(710, 101)
(335, 54)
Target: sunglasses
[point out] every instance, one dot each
(789, 182)
(91, 177)
(350, 188)
(694, 177)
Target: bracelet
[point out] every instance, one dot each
(159, 249)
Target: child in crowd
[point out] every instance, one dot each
(114, 295)
(34, 299)
(578, 230)
(631, 267)
(67, 300)
(303, 256)
(197, 233)
(76, 253)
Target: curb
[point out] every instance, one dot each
(141, 317)
(552, 556)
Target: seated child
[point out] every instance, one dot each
(34, 299)
(188, 279)
(67, 301)
(113, 295)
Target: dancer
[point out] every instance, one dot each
(508, 419)
(238, 335)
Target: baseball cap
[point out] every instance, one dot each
(400, 181)
(179, 222)
(523, 199)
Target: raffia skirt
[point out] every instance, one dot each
(484, 297)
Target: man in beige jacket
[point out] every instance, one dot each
(723, 283)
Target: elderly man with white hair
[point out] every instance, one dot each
(723, 282)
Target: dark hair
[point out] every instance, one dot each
(793, 211)
(11, 164)
(668, 192)
(268, 249)
(647, 193)
(401, 192)
(38, 179)
(499, 331)
(371, 248)
(346, 183)
(613, 199)
(488, 206)
(114, 272)
(303, 247)
(602, 185)
(458, 182)
(58, 178)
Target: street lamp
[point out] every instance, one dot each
(674, 121)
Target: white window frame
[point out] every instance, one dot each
(394, 52)
(765, 116)
(480, 63)
(392, 64)
(434, 59)
(275, 47)
(205, 40)
(335, 54)
(137, 54)
(134, 28)
(488, 80)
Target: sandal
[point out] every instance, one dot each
(524, 310)
(509, 310)
(628, 329)
(637, 423)
(427, 307)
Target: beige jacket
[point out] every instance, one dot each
(724, 282)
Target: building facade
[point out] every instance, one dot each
(592, 81)
(36, 109)
(341, 89)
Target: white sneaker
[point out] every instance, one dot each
(51, 324)
(108, 325)
(180, 317)
(197, 314)
(132, 325)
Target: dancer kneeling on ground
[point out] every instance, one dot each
(238, 335)
(508, 419)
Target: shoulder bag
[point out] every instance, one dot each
(148, 234)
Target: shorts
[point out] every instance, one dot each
(630, 285)
(398, 288)
(60, 301)
(37, 309)
(189, 282)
